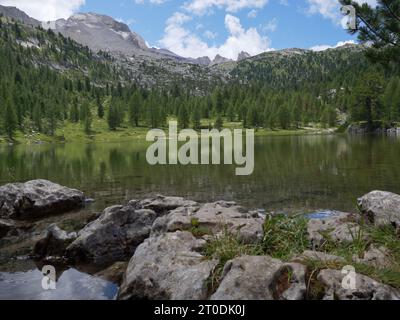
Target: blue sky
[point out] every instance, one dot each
(207, 27)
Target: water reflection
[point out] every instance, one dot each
(291, 173)
(71, 285)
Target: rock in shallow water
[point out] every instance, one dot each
(168, 267)
(53, 243)
(112, 237)
(381, 208)
(37, 199)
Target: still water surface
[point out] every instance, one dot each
(292, 175)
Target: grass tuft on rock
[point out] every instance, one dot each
(285, 236)
(226, 247)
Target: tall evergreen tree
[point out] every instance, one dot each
(10, 118)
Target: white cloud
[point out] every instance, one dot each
(330, 9)
(326, 47)
(252, 14)
(270, 26)
(201, 7)
(180, 40)
(210, 35)
(46, 10)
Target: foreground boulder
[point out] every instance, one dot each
(168, 267)
(37, 199)
(113, 237)
(261, 278)
(381, 208)
(213, 218)
(365, 288)
(53, 243)
(338, 227)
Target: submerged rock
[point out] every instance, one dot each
(168, 267)
(53, 243)
(365, 288)
(381, 208)
(37, 199)
(5, 227)
(114, 273)
(261, 278)
(113, 237)
(213, 218)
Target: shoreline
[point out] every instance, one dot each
(222, 242)
(128, 135)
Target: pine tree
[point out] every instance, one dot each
(86, 117)
(219, 123)
(379, 26)
(113, 117)
(10, 118)
(183, 117)
(284, 117)
(134, 109)
(367, 99)
(74, 112)
(196, 118)
(100, 107)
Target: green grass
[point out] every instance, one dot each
(197, 230)
(286, 237)
(378, 237)
(226, 247)
(71, 132)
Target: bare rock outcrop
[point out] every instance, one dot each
(381, 208)
(261, 278)
(37, 199)
(169, 267)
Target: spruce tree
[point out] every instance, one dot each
(134, 109)
(10, 118)
(219, 123)
(196, 118)
(183, 117)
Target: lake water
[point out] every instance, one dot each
(297, 173)
(292, 175)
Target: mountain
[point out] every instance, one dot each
(243, 55)
(101, 33)
(300, 67)
(126, 51)
(49, 80)
(16, 14)
(219, 60)
(205, 61)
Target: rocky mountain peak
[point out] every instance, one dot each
(243, 55)
(101, 32)
(15, 13)
(220, 59)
